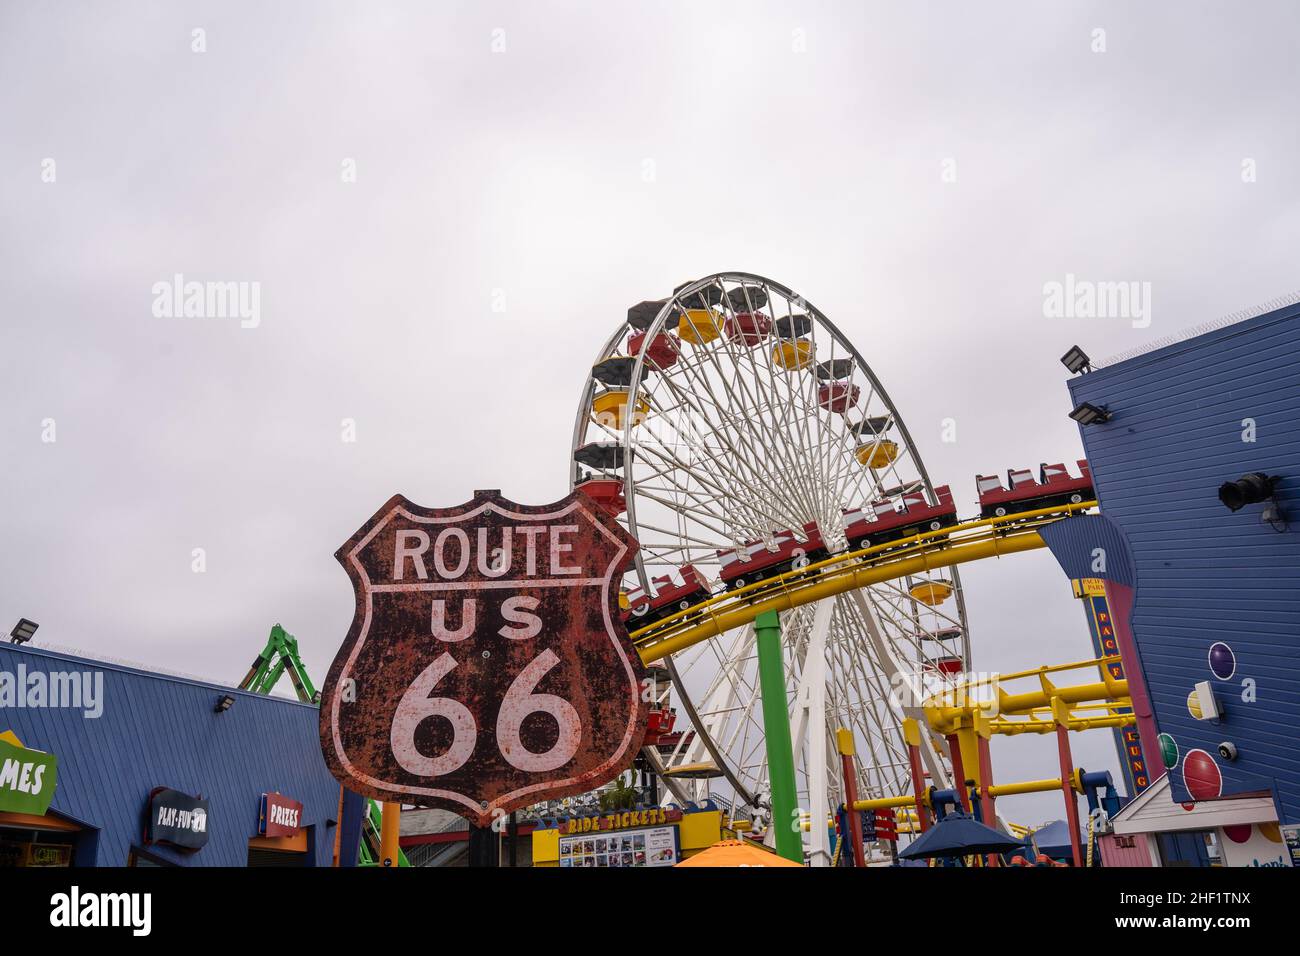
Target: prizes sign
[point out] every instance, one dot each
(487, 667)
(279, 816)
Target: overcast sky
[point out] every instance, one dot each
(523, 173)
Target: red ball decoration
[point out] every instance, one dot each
(1201, 775)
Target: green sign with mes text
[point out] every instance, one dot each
(27, 779)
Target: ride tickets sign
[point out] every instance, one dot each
(177, 818)
(620, 820)
(487, 667)
(279, 816)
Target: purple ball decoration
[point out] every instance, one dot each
(1223, 663)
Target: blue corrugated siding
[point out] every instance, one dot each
(1074, 542)
(159, 731)
(1204, 574)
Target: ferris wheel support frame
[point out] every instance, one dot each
(811, 732)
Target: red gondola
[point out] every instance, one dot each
(946, 665)
(916, 516)
(662, 351)
(606, 492)
(749, 328)
(1055, 486)
(838, 396)
(659, 726)
(760, 560)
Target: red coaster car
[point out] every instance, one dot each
(673, 592)
(916, 516)
(1054, 487)
(760, 560)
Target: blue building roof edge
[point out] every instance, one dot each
(1182, 341)
(143, 671)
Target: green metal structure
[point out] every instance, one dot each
(776, 729)
(279, 657)
(368, 853)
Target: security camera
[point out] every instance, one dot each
(1228, 750)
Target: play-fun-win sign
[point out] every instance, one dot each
(178, 819)
(487, 667)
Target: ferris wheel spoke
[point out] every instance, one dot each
(703, 387)
(725, 448)
(720, 491)
(747, 402)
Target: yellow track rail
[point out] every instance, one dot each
(957, 544)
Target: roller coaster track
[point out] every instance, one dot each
(848, 571)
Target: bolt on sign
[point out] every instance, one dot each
(487, 667)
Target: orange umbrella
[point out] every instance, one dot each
(737, 853)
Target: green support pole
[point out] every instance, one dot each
(776, 729)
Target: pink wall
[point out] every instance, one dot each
(1113, 854)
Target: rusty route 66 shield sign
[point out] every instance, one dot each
(487, 667)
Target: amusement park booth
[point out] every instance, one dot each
(1196, 467)
(1153, 830)
(103, 764)
(644, 837)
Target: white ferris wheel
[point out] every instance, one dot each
(733, 415)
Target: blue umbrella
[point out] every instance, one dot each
(957, 834)
(1054, 840)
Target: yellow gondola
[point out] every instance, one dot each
(877, 454)
(698, 326)
(932, 592)
(609, 408)
(793, 356)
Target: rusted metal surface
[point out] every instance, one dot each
(487, 667)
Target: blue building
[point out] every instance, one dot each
(1208, 594)
(151, 769)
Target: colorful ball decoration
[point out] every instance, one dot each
(1223, 663)
(1193, 705)
(1270, 831)
(1237, 832)
(1168, 751)
(1201, 776)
